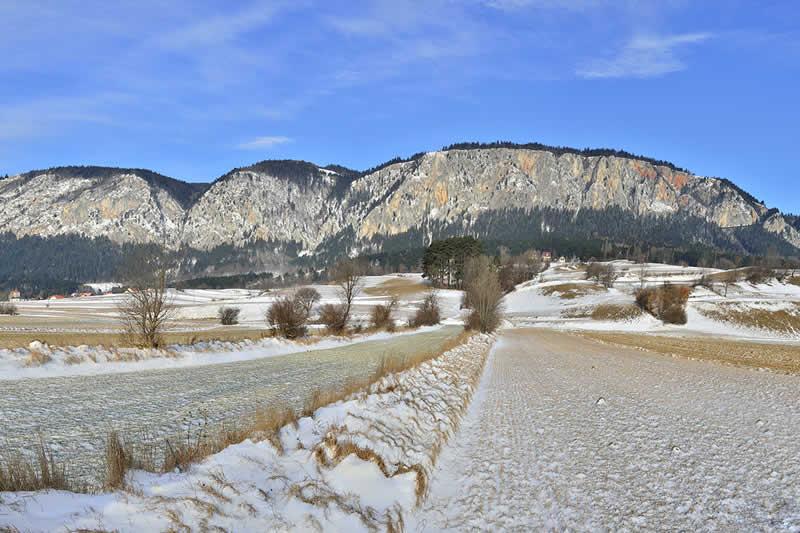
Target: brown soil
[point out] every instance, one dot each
(396, 287)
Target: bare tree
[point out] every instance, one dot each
(306, 298)
(485, 295)
(729, 278)
(348, 276)
(604, 273)
(642, 272)
(146, 309)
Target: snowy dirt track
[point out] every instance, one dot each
(570, 434)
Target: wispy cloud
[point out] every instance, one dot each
(572, 5)
(644, 57)
(264, 142)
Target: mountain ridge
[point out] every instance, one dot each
(293, 201)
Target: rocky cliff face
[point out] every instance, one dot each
(123, 207)
(459, 184)
(297, 201)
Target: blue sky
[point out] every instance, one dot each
(193, 89)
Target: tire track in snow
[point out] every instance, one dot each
(568, 434)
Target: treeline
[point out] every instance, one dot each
(227, 259)
(556, 150)
(262, 281)
(561, 150)
(443, 261)
(599, 234)
(65, 261)
(65, 257)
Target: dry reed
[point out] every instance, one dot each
(19, 473)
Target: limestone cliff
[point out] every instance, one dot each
(297, 201)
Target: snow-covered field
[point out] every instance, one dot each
(197, 308)
(197, 311)
(357, 465)
(564, 433)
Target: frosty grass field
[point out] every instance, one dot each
(564, 432)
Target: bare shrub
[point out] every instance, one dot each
(428, 312)
(603, 273)
(307, 298)
(593, 271)
(485, 295)
(228, 316)
(674, 314)
(334, 316)
(664, 302)
(518, 269)
(8, 309)
(759, 274)
(381, 315)
(706, 281)
(288, 317)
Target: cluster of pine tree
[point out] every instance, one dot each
(443, 261)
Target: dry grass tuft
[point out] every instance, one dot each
(396, 287)
(331, 451)
(794, 281)
(36, 358)
(117, 462)
(570, 291)
(73, 359)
